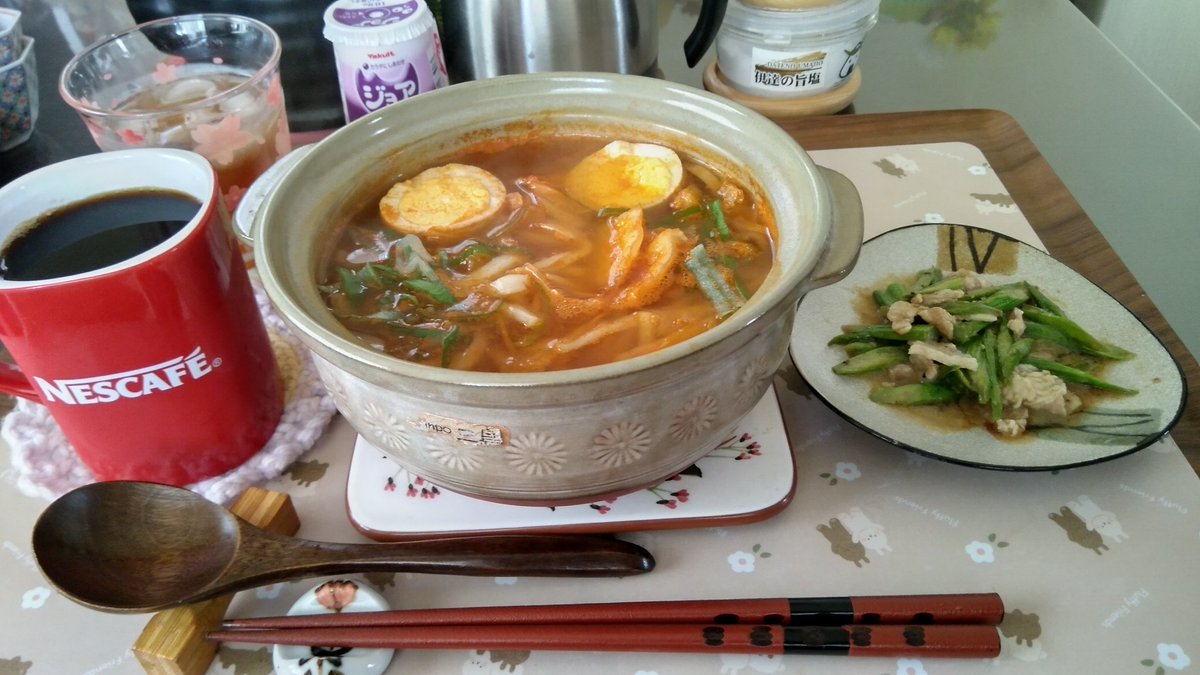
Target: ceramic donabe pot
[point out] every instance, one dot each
(572, 435)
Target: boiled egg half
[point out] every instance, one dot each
(448, 200)
(625, 175)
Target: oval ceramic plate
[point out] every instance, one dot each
(1113, 426)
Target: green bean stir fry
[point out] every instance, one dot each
(1008, 350)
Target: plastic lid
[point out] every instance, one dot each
(372, 23)
(791, 4)
(829, 18)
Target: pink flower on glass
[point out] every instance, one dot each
(283, 138)
(130, 137)
(218, 142)
(164, 72)
(275, 92)
(233, 196)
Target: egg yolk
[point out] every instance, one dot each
(624, 175)
(442, 201)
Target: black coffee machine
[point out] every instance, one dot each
(307, 67)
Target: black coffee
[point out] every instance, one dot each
(96, 233)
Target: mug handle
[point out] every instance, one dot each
(247, 209)
(846, 234)
(14, 383)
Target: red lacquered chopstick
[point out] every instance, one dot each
(933, 641)
(961, 608)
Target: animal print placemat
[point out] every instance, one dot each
(1096, 564)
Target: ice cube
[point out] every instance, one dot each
(245, 103)
(186, 91)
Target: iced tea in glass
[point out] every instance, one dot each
(202, 82)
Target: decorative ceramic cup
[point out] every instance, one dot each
(202, 82)
(10, 35)
(18, 97)
(157, 366)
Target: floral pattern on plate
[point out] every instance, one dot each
(748, 476)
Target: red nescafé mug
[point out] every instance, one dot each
(127, 308)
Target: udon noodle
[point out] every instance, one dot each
(547, 254)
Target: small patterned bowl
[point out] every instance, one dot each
(18, 97)
(573, 435)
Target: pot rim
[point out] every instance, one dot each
(727, 121)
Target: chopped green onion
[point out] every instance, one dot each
(445, 338)
(378, 276)
(741, 287)
(352, 286)
(434, 289)
(714, 207)
(448, 343)
(476, 249)
(679, 216)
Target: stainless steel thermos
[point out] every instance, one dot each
(485, 38)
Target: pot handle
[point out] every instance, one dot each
(247, 209)
(846, 234)
(712, 13)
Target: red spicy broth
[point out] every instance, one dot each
(546, 283)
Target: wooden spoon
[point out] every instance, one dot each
(126, 546)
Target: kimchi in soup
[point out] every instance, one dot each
(548, 254)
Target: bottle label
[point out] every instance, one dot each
(790, 73)
(375, 14)
(374, 77)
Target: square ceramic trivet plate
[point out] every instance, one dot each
(749, 476)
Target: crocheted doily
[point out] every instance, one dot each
(47, 466)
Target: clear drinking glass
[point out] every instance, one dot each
(202, 82)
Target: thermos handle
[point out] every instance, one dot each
(712, 13)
